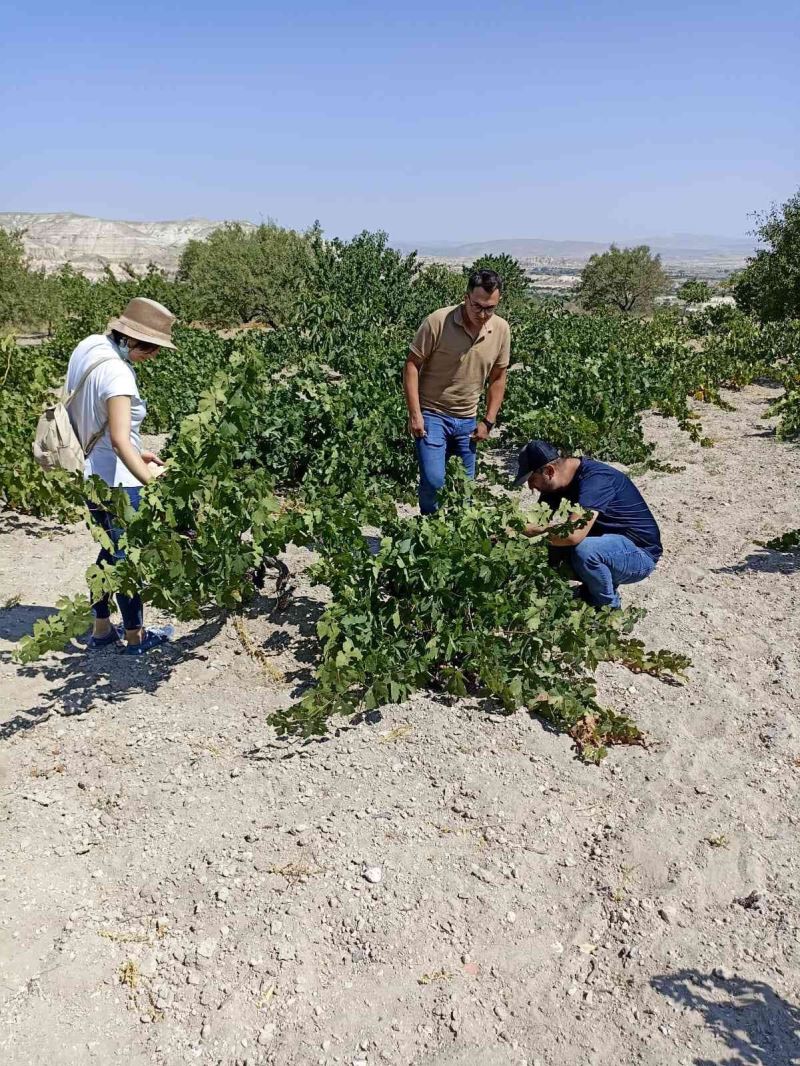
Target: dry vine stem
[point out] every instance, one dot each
(255, 653)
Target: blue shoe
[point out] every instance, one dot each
(115, 635)
(153, 638)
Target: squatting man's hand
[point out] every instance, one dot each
(530, 530)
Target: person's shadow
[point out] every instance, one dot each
(76, 680)
(759, 1027)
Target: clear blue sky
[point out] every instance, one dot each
(444, 120)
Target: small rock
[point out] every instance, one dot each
(751, 902)
(723, 973)
(206, 948)
(266, 1034)
(373, 874)
(148, 965)
(484, 875)
(667, 914)
(223, 894)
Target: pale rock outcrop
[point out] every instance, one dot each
(90, 244)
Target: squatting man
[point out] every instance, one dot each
(619, 544)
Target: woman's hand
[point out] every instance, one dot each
(156, 466)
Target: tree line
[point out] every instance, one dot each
(239, 275)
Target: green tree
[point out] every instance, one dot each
(769, 286)
(694, 291)
(13, 276)
(627, 279)
(238, 275)
(515, 280)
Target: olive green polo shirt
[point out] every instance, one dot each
(455, 365)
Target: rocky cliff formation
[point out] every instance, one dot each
(90, 244)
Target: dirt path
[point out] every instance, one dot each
(176, 887)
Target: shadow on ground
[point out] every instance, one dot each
(757, 1025)
(18, 620)
(78, 680)
(765, 561)
(11, 522)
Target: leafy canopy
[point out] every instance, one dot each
(515, 280)
(624, 279)
(694, 291)
(769, 286)
(239, 275)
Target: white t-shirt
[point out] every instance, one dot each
(89, 410)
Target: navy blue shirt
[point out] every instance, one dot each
(619, 504)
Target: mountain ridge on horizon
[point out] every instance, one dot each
(91, 244)
(672, 246)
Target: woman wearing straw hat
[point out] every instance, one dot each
(106, 413)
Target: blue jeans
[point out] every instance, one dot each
(130, 607)
(602, 563)
(445, 436)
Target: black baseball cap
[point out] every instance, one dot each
(532, 457)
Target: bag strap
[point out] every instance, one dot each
(94, 439)
(95, 436)
(85, 375)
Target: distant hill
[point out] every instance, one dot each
(90, 244)
(678, 247)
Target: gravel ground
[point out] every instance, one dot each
(439, 885)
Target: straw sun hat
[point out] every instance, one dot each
(145, 320)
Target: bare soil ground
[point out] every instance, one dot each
(177, 886)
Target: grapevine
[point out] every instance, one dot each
(298, 435)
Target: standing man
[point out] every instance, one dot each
(619, 544)
(454, 352)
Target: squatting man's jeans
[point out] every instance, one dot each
(603, 563)
(444, 436)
